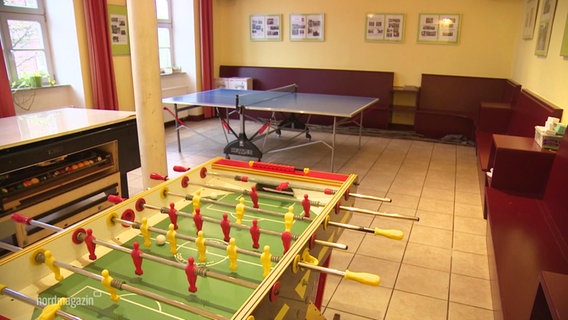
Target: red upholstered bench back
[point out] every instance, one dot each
(376, 84)
(528, 112)
(556, 194)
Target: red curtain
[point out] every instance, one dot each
(100, 55)
(206, 39)
(6, 100)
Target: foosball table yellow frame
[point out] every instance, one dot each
(256, 279)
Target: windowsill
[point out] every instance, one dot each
(39, 88)
(172, 74)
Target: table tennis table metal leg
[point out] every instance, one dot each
(333, 142)
(177, 126)
(360, 128)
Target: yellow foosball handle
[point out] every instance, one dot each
(389, 233)
(363, 277)
(49, 311)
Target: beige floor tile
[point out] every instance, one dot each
(435, 205)
(405, 306)
(468, 242)
(470, 264)
(470, 291)
(412, 188)
(362, 300)
(470, 225)
(428, 257)
(463, 312)
(471, 198)
(438, 194)
(469, 210)
(402, 200)
(423, 281)
(435, 219)
(329, 313)
(352, 239)
(431, 236)
(386, 270)
(383, 248)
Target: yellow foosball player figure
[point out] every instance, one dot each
(106, 281)
(232, 253)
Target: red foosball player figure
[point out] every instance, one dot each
(172, 213)
(198, 219)
(191, 274)
(90, 242)
(254, 197)
(226, 227)
(255, 234)
(137, 258)
(286, 240)
(306, 205)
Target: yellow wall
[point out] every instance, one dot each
(489, 35)
(546, 76)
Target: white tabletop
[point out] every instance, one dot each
(33, 127)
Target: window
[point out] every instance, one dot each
(163, 11)
(24, 41)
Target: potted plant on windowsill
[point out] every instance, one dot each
(32, 80)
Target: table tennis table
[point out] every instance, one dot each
(284, 100)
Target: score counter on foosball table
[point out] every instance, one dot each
(225, 240)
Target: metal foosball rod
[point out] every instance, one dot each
(80, 237)
(31, 222)
(393, 234)
(9, 247)
(40, 258)
(49, 311)
(204, 173)
(137, 225)
(305, 260)
(200, 270)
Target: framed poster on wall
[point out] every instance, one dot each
(118, 30)
(564, 46)
(531, 8)
(439, 28)
(266, 27)
(384, 27)
(548, 7)
(307, 27)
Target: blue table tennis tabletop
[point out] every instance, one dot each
(275, 101)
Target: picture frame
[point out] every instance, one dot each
(266, 27)
(439, 28)
(547, 9)
(564, 45)
(118, 26)
(384, 27)
(307, 27)
(531, 9)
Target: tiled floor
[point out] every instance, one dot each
(438, 271)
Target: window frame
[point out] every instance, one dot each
(168, 24)
(29, 14)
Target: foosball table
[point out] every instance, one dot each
(225, 240)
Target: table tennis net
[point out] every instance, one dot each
(252, 98)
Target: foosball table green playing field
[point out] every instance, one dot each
(225, 240)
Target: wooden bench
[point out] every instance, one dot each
(516, 119)
(527, 236)
(449, 104)
(375, 84)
